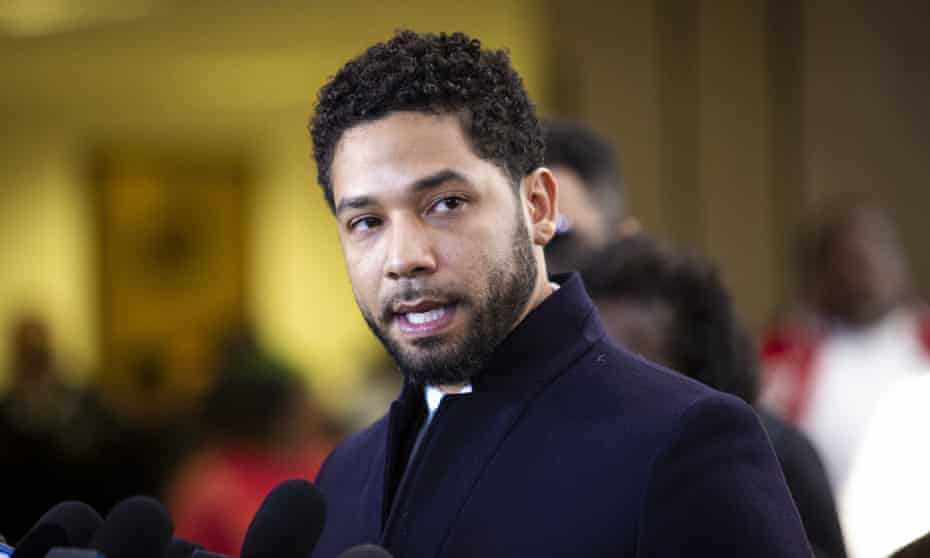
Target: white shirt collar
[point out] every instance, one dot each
(433, 396)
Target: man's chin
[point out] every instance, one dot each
(434, 365)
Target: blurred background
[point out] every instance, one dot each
(159, 210)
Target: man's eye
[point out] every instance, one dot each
(444, 205)
(364, 223)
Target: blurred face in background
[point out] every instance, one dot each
(31, 349)
(862, 274)
(641, 326)
(582, 227)
(436, 242)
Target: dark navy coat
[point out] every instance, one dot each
(568, 446)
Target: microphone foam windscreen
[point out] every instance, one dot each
(180, 548)
(288, 523)
(137, 527)
(366, 551)
(71, 552)
(79, 521)
(39, 540)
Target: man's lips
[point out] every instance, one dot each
(423, 318)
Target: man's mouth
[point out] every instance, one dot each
(420, 318)
(423, 318)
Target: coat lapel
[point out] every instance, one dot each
(460, 443)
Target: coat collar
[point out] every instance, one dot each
(540, 346)
(468, 429)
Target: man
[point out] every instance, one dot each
(590, 193)
(521, 430)
(858, 331)
(673, 309)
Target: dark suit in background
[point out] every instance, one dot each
(807, 480)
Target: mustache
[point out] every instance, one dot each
(412, 293)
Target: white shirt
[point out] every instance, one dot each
(855, 367)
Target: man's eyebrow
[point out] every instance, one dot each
(422, 184)
(353, 203)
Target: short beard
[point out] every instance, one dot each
(508, 294)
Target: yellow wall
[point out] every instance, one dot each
(46, 252)
(236, 75)
(728, 116)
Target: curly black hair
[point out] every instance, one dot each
(705, 340)
(425, 72)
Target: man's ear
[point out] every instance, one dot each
(540, 196)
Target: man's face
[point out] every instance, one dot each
(588, 230)
(864, 274)
(435, 242)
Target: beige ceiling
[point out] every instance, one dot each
(164, 61)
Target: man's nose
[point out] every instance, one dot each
(410, 252)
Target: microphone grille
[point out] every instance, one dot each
(288, 523)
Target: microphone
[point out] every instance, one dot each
(288, 523)
(366, 551)
(201, 553)
(181, 548)
(69, 552)
(137, 527)
(79, 521)
(39, 540)
(70, 523)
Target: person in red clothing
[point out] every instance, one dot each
(827, 363)
(262, 429)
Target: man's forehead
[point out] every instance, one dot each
(400, 149)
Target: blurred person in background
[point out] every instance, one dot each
(828, 362)
(672, 309)
(591, 210)
(37, 442)
(66, 443)
(261, 427)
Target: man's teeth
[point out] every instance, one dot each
(425, 317)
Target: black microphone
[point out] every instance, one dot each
(39, 540)
(79, 520)
(366, 551)
(137, 527)
(67, 524)
(288, 523)
(181, 548)
(71, 552)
